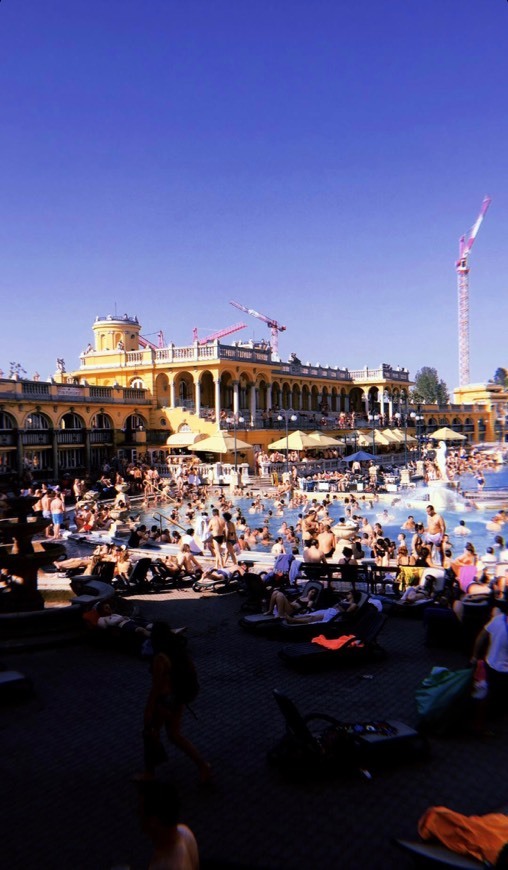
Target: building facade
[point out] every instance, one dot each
(130, 396)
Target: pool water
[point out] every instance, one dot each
(413, 502)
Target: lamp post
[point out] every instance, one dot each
(398, 418)
(234, 421)
(286, 417)
(417, 420)
(374, 419)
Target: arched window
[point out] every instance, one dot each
(101, 421)
(6, 421)
(71, 421)
(36, 421)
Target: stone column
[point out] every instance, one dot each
(268, 396)
(20, 454)
(381, 400)
(87, 452)
(252, 402)
(54, 446)
(172, 393)
(236, 399)
(197, 393)
(217, 400)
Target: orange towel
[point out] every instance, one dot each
(483, 837)
(337, 642)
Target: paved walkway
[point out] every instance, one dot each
(67, 756)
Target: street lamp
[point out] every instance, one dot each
(417, 420)
(287, 417)
(234, 421)
(398, 417)
(374, 419)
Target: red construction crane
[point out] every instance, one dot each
(216, 335)
(161, 340)
(272, 324)
(463, 282)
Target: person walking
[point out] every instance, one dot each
(174, 686)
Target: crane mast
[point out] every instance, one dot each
(228, 330)
(272, 324)
(462, 267)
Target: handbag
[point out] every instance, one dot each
(439, 695)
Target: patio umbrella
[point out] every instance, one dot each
(326, 440)
(221, 442)
(447, 434)
(295, 441)
(404, 436)
(360, 456)
(390, 436)
(365, 439)
(184, 439)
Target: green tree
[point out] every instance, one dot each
(501, 377)
(429, 388)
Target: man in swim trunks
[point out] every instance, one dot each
(218, 529)
(327, 542)
(436, 528)
(57, 514)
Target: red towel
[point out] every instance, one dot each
(483, 837)
(337, 642)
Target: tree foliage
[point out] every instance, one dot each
(501, 377)
(429, 388)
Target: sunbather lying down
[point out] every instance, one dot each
(109, 619)
(345, 607)
(281, 605)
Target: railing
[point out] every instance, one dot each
(381, 373)
(134, 395)
(137, 357)
(101, 392)
(35, 388)
(33, 438)
(245, 354)
(334, 374)
(70, 437)
(101, 436)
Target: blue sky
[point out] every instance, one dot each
(315, 160)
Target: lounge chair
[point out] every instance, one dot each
(313, 656)
(136, 581)
(342, 623)
(319, 744)
(209, 584)
(263, 623)
(429, 855)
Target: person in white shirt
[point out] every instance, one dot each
(278, 547)
(188, 538)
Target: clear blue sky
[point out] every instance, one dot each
(315, 160)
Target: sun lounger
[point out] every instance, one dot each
(319, 744)
(263, 623)
(313, 656)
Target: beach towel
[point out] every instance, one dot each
(483, 837)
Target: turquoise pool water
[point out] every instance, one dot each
(398, 509)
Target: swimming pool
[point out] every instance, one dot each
(403, 504)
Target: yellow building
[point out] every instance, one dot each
(490, 404)
(130, 396)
